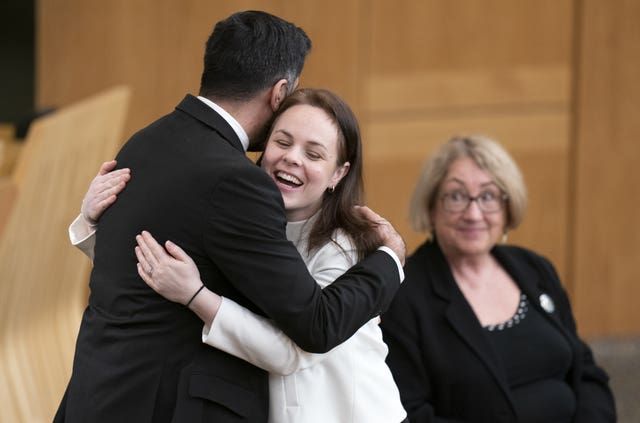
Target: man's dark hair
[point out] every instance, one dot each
(249, 52)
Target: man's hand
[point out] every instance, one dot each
(389, 236)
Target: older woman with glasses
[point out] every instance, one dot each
(481, 332)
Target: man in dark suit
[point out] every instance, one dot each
(138, 357)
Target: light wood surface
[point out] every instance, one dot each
(606, 237)
(43, 288)
(437, 69)
(157, 49)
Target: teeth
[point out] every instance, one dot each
(289, 178)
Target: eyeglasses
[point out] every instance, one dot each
(487, 201)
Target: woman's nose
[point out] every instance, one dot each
(292, 157)
(473, 210)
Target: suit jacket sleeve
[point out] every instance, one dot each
(246, 239)
(595, 399)
(255, 339)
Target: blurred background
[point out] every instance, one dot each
(554, 81)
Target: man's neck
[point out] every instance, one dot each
(251, 114)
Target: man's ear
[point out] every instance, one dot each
(278, 93)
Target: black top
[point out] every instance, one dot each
(536, 359)
(446, 367)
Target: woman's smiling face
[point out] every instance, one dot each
(471, 231)
(302, 158)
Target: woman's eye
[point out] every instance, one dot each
(488, 196)
(313, 155)
(457, 195)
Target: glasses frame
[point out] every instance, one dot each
(503, 197)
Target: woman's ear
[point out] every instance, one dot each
(340, 173)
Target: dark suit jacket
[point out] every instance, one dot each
(139, 358)
(442, 360)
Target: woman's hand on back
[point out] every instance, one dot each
(103, 191)
(171, 272)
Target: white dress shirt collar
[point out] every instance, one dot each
(237, 128)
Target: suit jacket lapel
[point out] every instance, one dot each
(205, 114)
(462, 318)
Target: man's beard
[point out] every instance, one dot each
(259, 139)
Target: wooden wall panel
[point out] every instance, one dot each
(413, 35)
(508, 89)
(499, 68)
(156, 47)
(606, 241)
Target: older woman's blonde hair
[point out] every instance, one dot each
(490, 157)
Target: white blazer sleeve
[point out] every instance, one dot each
(255, 339)
(83, 236)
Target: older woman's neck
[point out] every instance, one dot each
(471, 267)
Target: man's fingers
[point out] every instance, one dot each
(370, 215)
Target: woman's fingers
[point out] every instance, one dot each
(142, 259)
(103, 190)
(144, 274)
(173, 275)
(152, 247)
(106, 167)
(177, 252)
(146, 256)
(112, 183)
(116, 176)
(151, 253)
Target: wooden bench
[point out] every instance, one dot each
(43, 279)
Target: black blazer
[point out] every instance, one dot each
(139, 358)
(442, 360)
